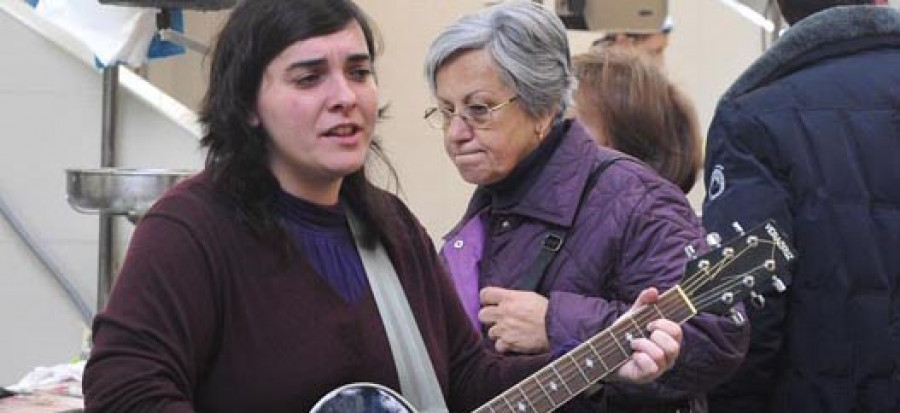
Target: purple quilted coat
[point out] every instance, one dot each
(629, 234)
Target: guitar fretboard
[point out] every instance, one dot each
(560, 381)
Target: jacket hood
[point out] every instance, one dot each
(831, 32)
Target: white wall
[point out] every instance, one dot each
(709, 47)
(50, 108)
(50, 105)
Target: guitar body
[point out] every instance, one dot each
(362, 398)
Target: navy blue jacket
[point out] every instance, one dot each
(810, 136)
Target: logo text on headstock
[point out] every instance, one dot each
(779, 242)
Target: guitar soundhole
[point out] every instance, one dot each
(362, 398)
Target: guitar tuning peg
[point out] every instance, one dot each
(757, 300)
(778, 284)
(727, 298)
(753, 241)
(738, 228)
(714, 239)
(690, 251)
(736, 317)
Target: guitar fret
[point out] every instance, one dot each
(547, 395)
(556, 395)
(599, 357)
(594, 369)
(578, 367)
(523, 408)
(566, 385)
(639, 330)
(655, 307)
(612, 333)
(508, 404)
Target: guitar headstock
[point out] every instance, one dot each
(729, 273)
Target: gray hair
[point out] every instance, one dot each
(527, 43)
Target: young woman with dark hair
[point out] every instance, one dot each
(243, 289)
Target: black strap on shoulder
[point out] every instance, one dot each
(556, 236)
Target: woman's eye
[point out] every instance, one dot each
(307, 80)
(478, 110)
(361, 73)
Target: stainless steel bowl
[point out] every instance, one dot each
(119, 191)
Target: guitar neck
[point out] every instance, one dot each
(574, 372)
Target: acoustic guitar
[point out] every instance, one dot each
(713, 283)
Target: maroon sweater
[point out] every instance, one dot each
(203, 319)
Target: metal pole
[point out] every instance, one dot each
(49, 264)
(773, 14)
(778, 18)
(106, 252)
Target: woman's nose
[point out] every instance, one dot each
(343, 96)
(457, 129)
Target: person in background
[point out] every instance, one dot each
(629, 105)
(500, 78)
(243, 289)
(654, 44)
(809, 136)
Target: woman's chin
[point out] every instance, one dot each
(347, 167)
(477, 177)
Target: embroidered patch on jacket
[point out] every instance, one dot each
(716, 182)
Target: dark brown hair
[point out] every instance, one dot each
(630, 105)
(256, 32)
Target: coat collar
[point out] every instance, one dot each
(552, 195)
(832, 32)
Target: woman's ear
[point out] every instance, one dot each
(542, 126)
(253, 119)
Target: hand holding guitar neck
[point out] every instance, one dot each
(655, 353)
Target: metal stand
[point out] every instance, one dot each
(106, 254)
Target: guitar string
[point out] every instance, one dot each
(761, 241)
(568, 372)
(705, 299)
(702, 277)
(694, 284)
(715, 293)
(691, 290)
(572, 370)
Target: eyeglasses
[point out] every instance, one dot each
(476, 115)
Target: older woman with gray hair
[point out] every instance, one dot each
(561, 237)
